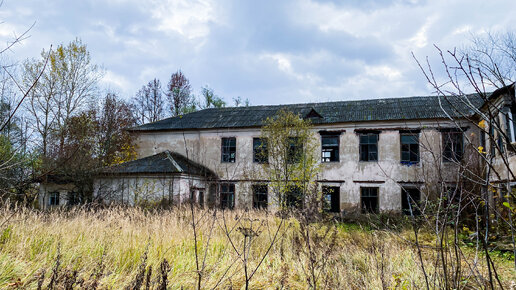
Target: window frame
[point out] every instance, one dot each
(294, 197)
(227, 196)
(409, 190)
(258, 191)
(418, 157)
(454, 156)
(262, 148)
(294, 150)
(368, 145)
(54, 198)
(333, 192)
(226, 150)
(334, 148)
(363, 209)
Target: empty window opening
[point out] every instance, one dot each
(409, 148)
(453, 145)
(294, 197)
(260, 198)
(260, 150)
(410, 197)
(369, 199)
(294, 150)
(331, 195)
(228, 149)
(368, 147)
(330, 148)
(227, 196)
(53, 198)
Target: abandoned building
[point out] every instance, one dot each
(373, 153)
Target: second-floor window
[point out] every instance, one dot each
(294, 150)
(409, 148)
(329, 148)
(260, 151)
(453, 145)
(369, 147)
(228, 149)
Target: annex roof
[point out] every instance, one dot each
(166, 162)
(411, 108)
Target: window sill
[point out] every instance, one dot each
(409, 163)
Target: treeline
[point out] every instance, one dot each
(58, 122)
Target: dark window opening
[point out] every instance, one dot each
(74, 198)
(369, 199)
(499, 138)
(410, 198)
(452, 195)
(330, 148)
(294, 197)
(453, 145)
(228, 149)
(409, 148)
(201, 198)
(227, 196)
(331, 195)
(483, 141)
(368, 147)
(53, 199)
(260, 199)
(294, 150)
(260, 150)
(492, 144)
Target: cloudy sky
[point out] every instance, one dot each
(268, 51)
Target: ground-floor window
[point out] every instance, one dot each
(74, 198)
(227, 195)
(260, 199)
(294, 197)
(53, 199)
(331, 196)
(201, 198)
(410, 197)
(369, 199)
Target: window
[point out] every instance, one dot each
(330, 148)
(74, 198)
(409, 148)
(453, 145)
(260, 150)
(492, 144)
(499, 139)
(294, 150)
(53, 198)
(294, 197)
(369, 199)
(410, 197)
(227, 196)
(260, 196)
(368, 147)
(228, 149)
(331, 195)
(201, 198)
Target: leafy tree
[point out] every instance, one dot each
(210, 100)
(179, 93)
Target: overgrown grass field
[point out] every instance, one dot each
(126, 247)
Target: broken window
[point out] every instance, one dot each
(228, 149)
(294, 150)
(453, 145)
(410, 197)
(369, 147)
(330, 148)
(369, 199)
(409, 148)
(53, 198)
(331, 195)
(260, 199)
(294, 197)
(227, 196)
(260, 150)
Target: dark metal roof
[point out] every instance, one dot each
(165, 162)
(411, 108)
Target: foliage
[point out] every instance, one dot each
(179, 93)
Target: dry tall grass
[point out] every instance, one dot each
(106, 248)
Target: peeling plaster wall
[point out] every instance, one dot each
(204, 147)
(134, 189)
